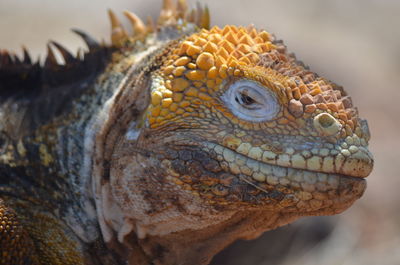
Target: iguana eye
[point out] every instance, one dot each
(251, 101)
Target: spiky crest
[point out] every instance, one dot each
(172, 14)
(21, 76)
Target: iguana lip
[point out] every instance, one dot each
(297, 178)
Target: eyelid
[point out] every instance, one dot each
(266, 105)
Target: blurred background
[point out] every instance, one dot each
(355, 43)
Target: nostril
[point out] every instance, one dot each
(326, 124)
(326, 120)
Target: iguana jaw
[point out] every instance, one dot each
(302, 190)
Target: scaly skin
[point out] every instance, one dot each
(150, 162)
(307, 136)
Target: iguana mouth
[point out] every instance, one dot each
(310, 182)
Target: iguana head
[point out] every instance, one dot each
(229, 126)
(267, 131)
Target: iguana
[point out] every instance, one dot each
(168, 144)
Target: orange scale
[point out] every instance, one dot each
(210, 47)
(152, 120)
(253, 33)
(204, 34)
(196, 101)
(212, 73)
(238, 54)
(203, 89)
(289, 93)
(349, 114)
(180, 111)
(244, 48)
(340, 105)
(226, 30)
(253, 57)
(204, 96)
(241, 33)
(222, 52)
(231, 38)
(200, 42)
(350, 124)
(303, 89)
(193, 50)
(245, 60)
(195, 75)
(315, 91)
(215, 38)
(246, 39)
(185, 45)
(192, 66)
(168, 70)
(291, 83)
(223, 71)
(283, 121)
(343, 116)
(178, 71)
(219, 61)
(215, 29)
(237, 72)
(234, 29)
(173, 107)
(310, 108)
(205, 61)
(265, 36)
(229, 47)
(257, 49)
(296, 93)
(258, 40)
(198, 84)
(263, 47)
(332, 106)
(291, 118)
(322, 106)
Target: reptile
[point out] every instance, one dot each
(168, 144)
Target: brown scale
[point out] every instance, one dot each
(16, 247)
(310, 92)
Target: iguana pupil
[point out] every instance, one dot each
(245, 99)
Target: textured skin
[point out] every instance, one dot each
(133, 155)
(17, 246)
(313, 107)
